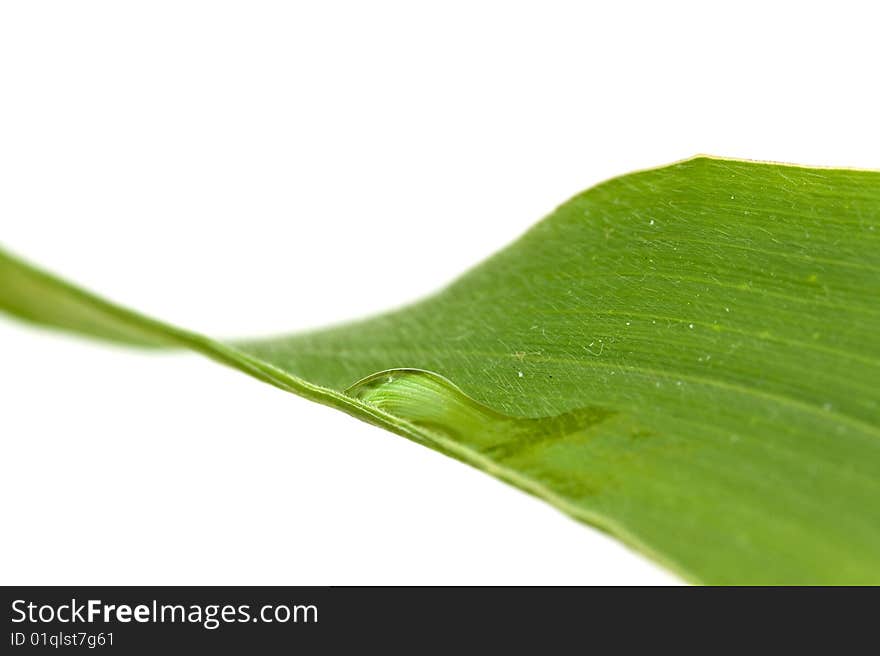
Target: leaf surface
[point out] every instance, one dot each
(686, 357)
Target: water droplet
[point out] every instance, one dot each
(651, 222)
(437, 407)
(690, 325)
(519, 373)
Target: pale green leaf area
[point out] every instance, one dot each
(686, 357)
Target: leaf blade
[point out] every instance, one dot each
(723, 314)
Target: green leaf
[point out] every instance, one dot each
(686, 357)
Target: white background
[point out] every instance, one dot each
(252, 167)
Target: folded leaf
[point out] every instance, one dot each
(686, 357)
